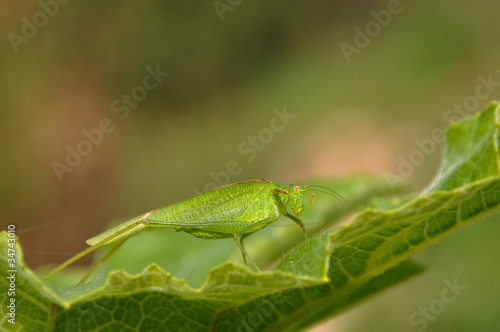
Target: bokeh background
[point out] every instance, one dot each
(228, 71)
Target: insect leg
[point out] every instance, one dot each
(298, 221)
(243, 246)
(246, 232)
(111, 252)
(244, 253)
(94, 247)
(282, 209)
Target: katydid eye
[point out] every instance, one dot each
(296, 189)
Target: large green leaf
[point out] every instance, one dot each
(315, 280)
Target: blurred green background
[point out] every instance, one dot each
(227, 79)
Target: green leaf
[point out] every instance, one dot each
(317, 279)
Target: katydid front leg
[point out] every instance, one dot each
(282, 209)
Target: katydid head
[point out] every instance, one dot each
(295, 197)
(297, 200)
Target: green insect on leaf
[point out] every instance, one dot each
(236, 210)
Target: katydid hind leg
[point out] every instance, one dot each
(73, 259)
(102, 260)
(94, 247)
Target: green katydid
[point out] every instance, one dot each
(234, 210)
